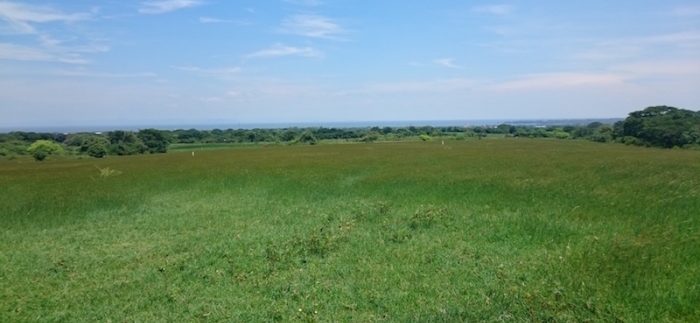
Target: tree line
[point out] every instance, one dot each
(658, 126)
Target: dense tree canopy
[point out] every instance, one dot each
(125, 143)
(661, 126)
(156, 141)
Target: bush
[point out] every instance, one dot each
(96, 147)
(41, 149)
(40, 154)
(155, 140)
(307, 138)
(425, 137)
(561, 134)
(13, 147)
(370, 137)
(628, 140)
(125, 143)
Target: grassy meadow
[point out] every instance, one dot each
(487, 230)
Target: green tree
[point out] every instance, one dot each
(661, 126)
(155, 140)
(125, 143)
(307, 137)
(603, 133)
(370, 136)
(288, 135)
(41, 149)
(95, 147)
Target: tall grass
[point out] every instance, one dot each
(510, 229)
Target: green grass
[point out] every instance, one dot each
(490, 230)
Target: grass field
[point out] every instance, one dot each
(490, 230)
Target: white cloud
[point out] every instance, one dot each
(211, 99)
(164, 6)
(608, 52)
(283, 50)
(214, 20)
(90, 74)
(24, 19)
(636, 47)
(430, 86)
(686, 11)
(32, 54)
(20, 17)
(447, 63)
(225, 71)
(678, 38)
(496, 9)
(660, 68)
(551, 81)
(310, 3)
(314, 26)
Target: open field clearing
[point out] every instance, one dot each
(494, 230)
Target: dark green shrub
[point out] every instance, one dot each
(155, 140)
(125, 143)
(370, 137)
(96, 147)
(307, 137)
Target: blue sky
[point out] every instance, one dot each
(213, 61)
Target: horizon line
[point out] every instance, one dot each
(300, 124)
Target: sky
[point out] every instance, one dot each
(160, 62)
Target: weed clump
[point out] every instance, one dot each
(426, 215)
(302, 248)
(366, 210)
(108, 172)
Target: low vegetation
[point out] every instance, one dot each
(481, 230)
(659, 126)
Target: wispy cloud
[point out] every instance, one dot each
(428, 86)
(91, 74)
(686, 11)
(27, 19)
(211, 99)
(21, 17)
(636, 47)
(224, 71)
(310, 3)
(447, 63)
(280, 50)
(72, 46)
(495, 9)
(314, 26)
(660, 68)
(33, 54)
(681, 38)
(551, 81)
(214, 20)
(155, 7)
